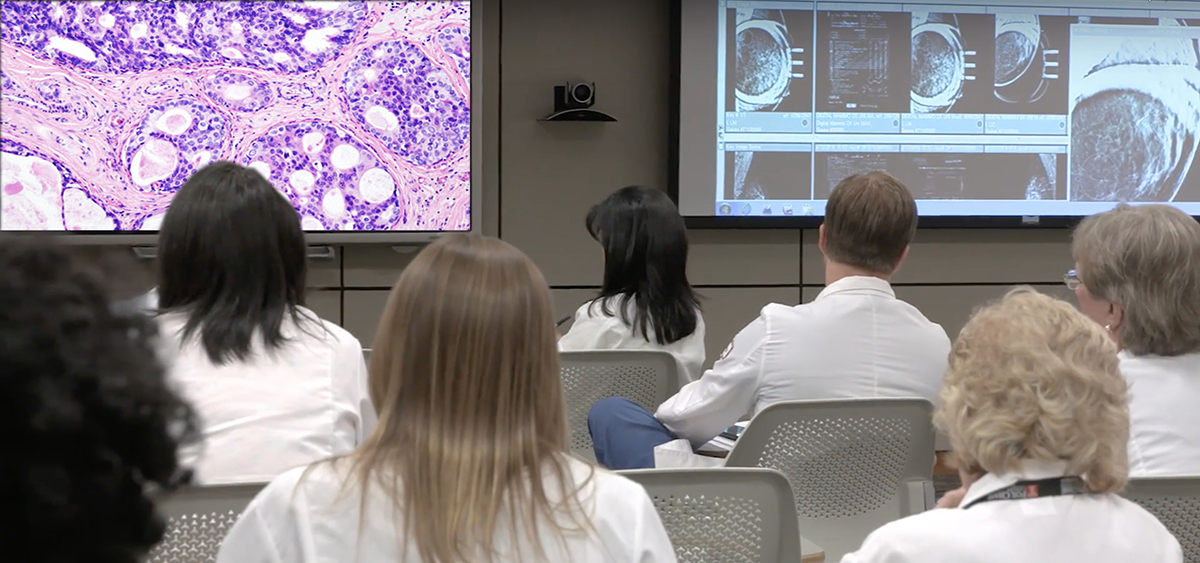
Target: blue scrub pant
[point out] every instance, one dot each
(624, 434)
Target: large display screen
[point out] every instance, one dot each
(359, 112)
(997, 108)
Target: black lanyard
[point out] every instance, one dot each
(1021, 490)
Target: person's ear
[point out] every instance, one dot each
(821, 238)
(1116, 315)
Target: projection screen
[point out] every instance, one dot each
(983, 109)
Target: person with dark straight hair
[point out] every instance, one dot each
(854, 341)
(646, 302)
(276, 386)
(91, 427)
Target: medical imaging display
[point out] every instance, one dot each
(767, 175)
(1135, 115)
(358, 112)
(1042, 109)
(770, 59)
(951, 175)
(949, 51)
(862, 61)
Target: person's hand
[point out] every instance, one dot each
(954, 498)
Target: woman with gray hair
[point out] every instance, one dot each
(1137, 274)
(1037, 415)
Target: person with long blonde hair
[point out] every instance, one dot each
(469, 462)
(1038, 416)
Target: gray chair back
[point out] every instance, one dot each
(725, 515)
(198, 519)
(647, 377)
(1175, 501)
(854, 464)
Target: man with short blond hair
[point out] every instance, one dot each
(854, 341)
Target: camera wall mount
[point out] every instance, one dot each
(574, 101)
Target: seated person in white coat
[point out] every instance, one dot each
(275, 386)
(470, 461)
(646, 302)
(855, 340)
(91, 426)
(1137, 274)
(1037, 415)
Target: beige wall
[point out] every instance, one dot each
(540, 178)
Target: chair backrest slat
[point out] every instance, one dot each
(1175, 501)
(198, 519)
(854, 464)
(725, 515)
(647, 377)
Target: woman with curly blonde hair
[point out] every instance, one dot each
(1037, 415)
(1137, 274)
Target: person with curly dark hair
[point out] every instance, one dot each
(91, 428)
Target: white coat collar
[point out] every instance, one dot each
(1031, 470)
(857, 284)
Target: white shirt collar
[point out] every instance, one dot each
(1031, 470)
(858, 284)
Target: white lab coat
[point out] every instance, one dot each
(1164, 392)
(855, 340)
(593, 330)
(318, 518)
(1064, 529)
(302, 403)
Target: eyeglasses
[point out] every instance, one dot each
(1071, 279)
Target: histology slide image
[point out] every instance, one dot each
(359, 112)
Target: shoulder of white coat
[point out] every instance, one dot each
(280, 494)
(330, 331)
(605, 489)
(915, 537)
(594, 309)
(320, 483)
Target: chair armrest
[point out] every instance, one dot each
(920, 496)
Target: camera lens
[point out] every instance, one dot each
(582, 92)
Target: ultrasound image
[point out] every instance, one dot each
(1135, 124)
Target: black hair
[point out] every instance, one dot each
(232, 257)
(91, 426)
(645, 262)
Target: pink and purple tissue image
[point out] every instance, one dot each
(358, 112)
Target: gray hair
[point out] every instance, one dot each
(1147, 260)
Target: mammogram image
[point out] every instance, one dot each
(359, 112)
(760, 61)
(933, 63)
(1135, 120)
